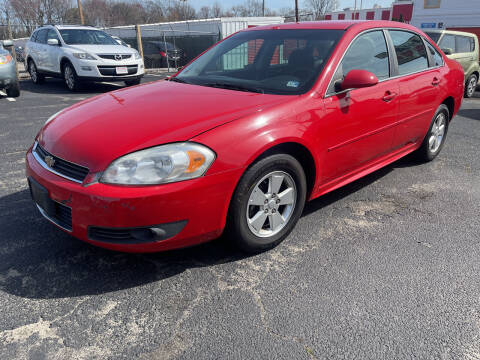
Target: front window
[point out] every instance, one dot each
(86, 37)
(267, 61)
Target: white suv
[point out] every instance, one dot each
(76, 53)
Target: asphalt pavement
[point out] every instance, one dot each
(387, 267)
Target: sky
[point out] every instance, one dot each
(278, 4)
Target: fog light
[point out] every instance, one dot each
(141, 66)
(87, 68)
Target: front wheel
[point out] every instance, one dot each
(436, 135)
(70, 77)
(132, 82)
(267, 203)
(471, 86)
(14, 90)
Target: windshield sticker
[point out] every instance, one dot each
(293, 83)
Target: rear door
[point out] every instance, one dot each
(358, 125)
(465, 52)
(419, 82)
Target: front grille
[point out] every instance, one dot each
(62, 167)
(63, 216)
(115, 57)
(112, 70)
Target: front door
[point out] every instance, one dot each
(358, 126)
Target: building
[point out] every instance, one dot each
(460, 15)
(401, 10)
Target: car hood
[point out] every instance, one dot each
(96, 131)
(103, 49)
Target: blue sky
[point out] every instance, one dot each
(277, 4)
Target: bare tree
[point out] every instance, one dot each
(216, 10)
(204, 12)
(319, 7)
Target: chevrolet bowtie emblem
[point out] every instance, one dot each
(49, 160)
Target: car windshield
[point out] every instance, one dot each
(265, 61)
(434, 36)
(86, 37)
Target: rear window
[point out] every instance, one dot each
(434, 36)
(411, 53)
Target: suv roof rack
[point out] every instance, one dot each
(55, 25)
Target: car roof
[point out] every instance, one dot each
(452, 32)
(336, 25)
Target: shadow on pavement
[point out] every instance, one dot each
(57, 86)
(39, 261)
(473, 114)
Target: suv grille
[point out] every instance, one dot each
(117, 57)
(112, 70)
(61, 167)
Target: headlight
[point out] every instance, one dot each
(137, 56)
(5, 59)
(84, 56)
(52, 117)
(160, 165)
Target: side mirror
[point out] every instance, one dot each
(53, 42)
(357, 79)
(7, 43)
(448, 51)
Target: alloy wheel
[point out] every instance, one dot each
(33, 72)
(437, 133)
(471, 87)
(271, 204)
(69, 77)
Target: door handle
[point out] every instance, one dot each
(389, 96)
(435, 82)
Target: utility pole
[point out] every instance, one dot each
(263, 8)
(10, 36)
(296, 11)
(80, 10)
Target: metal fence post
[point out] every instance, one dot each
(139, 42)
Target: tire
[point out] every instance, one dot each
(247, 225)
(471, 85)
(34, 75)
(70, 77)
(14, 90)
(133, 82)
(436, 135)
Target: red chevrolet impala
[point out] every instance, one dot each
(244, 135)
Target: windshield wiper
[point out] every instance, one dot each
(175, 79)
(234, 87)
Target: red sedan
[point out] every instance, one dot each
(244, 135)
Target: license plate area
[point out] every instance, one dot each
(121, 70)
(41, 197)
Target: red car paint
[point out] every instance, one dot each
(238, 127)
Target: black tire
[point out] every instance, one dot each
(133, 82)
(34, 75)
(426, 153)
(471, 85)
(237, 227)
(70, 77)
(14, 90)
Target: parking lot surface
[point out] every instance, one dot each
(386, 267)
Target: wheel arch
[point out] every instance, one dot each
(64, 60)
(450, 103)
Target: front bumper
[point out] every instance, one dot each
(201, 205)
(104, 70)
(8, 74)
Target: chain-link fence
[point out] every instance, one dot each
(169, 45)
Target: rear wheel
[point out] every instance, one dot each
(14, 90)
(34, 75)
(436, 135)
(267, 203)
(70, 77)
(471, 86)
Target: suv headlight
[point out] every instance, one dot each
(84, 56)
(5, 59)
(137, 56)
(159, 165)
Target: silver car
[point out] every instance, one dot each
(8, 73)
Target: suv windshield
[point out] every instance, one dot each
(434, 35)
(266, 61)
(86, 37)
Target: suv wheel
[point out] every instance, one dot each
(267, 203)
(471, 86)
(34, 75)
(70, 77)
